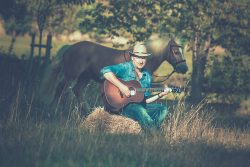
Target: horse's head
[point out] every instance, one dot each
(173, 54)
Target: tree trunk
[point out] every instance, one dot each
(13, 40)
(199, 60)
(198, 78)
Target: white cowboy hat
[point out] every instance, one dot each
(140, 50)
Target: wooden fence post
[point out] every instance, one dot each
(33, 36)
(48, 48)
(32, 46)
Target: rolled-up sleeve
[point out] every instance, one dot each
(148, 85)
(117, 69)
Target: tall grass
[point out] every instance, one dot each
(198, 124)
(188, 138)
(188, 122)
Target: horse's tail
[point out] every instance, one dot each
(52, 76)
(60, 53)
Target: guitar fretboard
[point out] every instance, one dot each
(168, 89)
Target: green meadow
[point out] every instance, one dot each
(190, 137)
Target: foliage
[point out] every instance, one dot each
(205, 24)
(64, 20)
(232, 27)
(16, 17)
(17, 20)
(53, 15)
(40, 11)
(183, 18)
(228, 75)
(115, 17)
(74, 2)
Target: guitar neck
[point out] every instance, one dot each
(150, 89)
(168, 89)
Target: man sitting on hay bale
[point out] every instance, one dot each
(127, 100)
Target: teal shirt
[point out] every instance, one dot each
(126, 72)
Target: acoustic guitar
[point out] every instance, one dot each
(114, 100)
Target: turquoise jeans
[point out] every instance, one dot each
(149, 116)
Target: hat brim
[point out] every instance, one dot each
(139, 54)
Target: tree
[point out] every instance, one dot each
(206, 24)
(223, 69)
(116, 17)
(64, 20)
(44, 10)
(19, 14)
(40, 10)
(17, 20)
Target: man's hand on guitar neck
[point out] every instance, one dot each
(160, 95)
(166, 91)
(112, 78)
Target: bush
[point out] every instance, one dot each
(228, 76)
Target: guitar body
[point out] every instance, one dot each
(114, 100)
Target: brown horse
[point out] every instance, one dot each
(84, 60)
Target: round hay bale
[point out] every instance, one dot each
(100, 120)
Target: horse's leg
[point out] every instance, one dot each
(82, 81)
(61, 97)
(60, 89)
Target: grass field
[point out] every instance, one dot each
(189, 137)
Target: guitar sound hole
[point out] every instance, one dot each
(132, 91)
